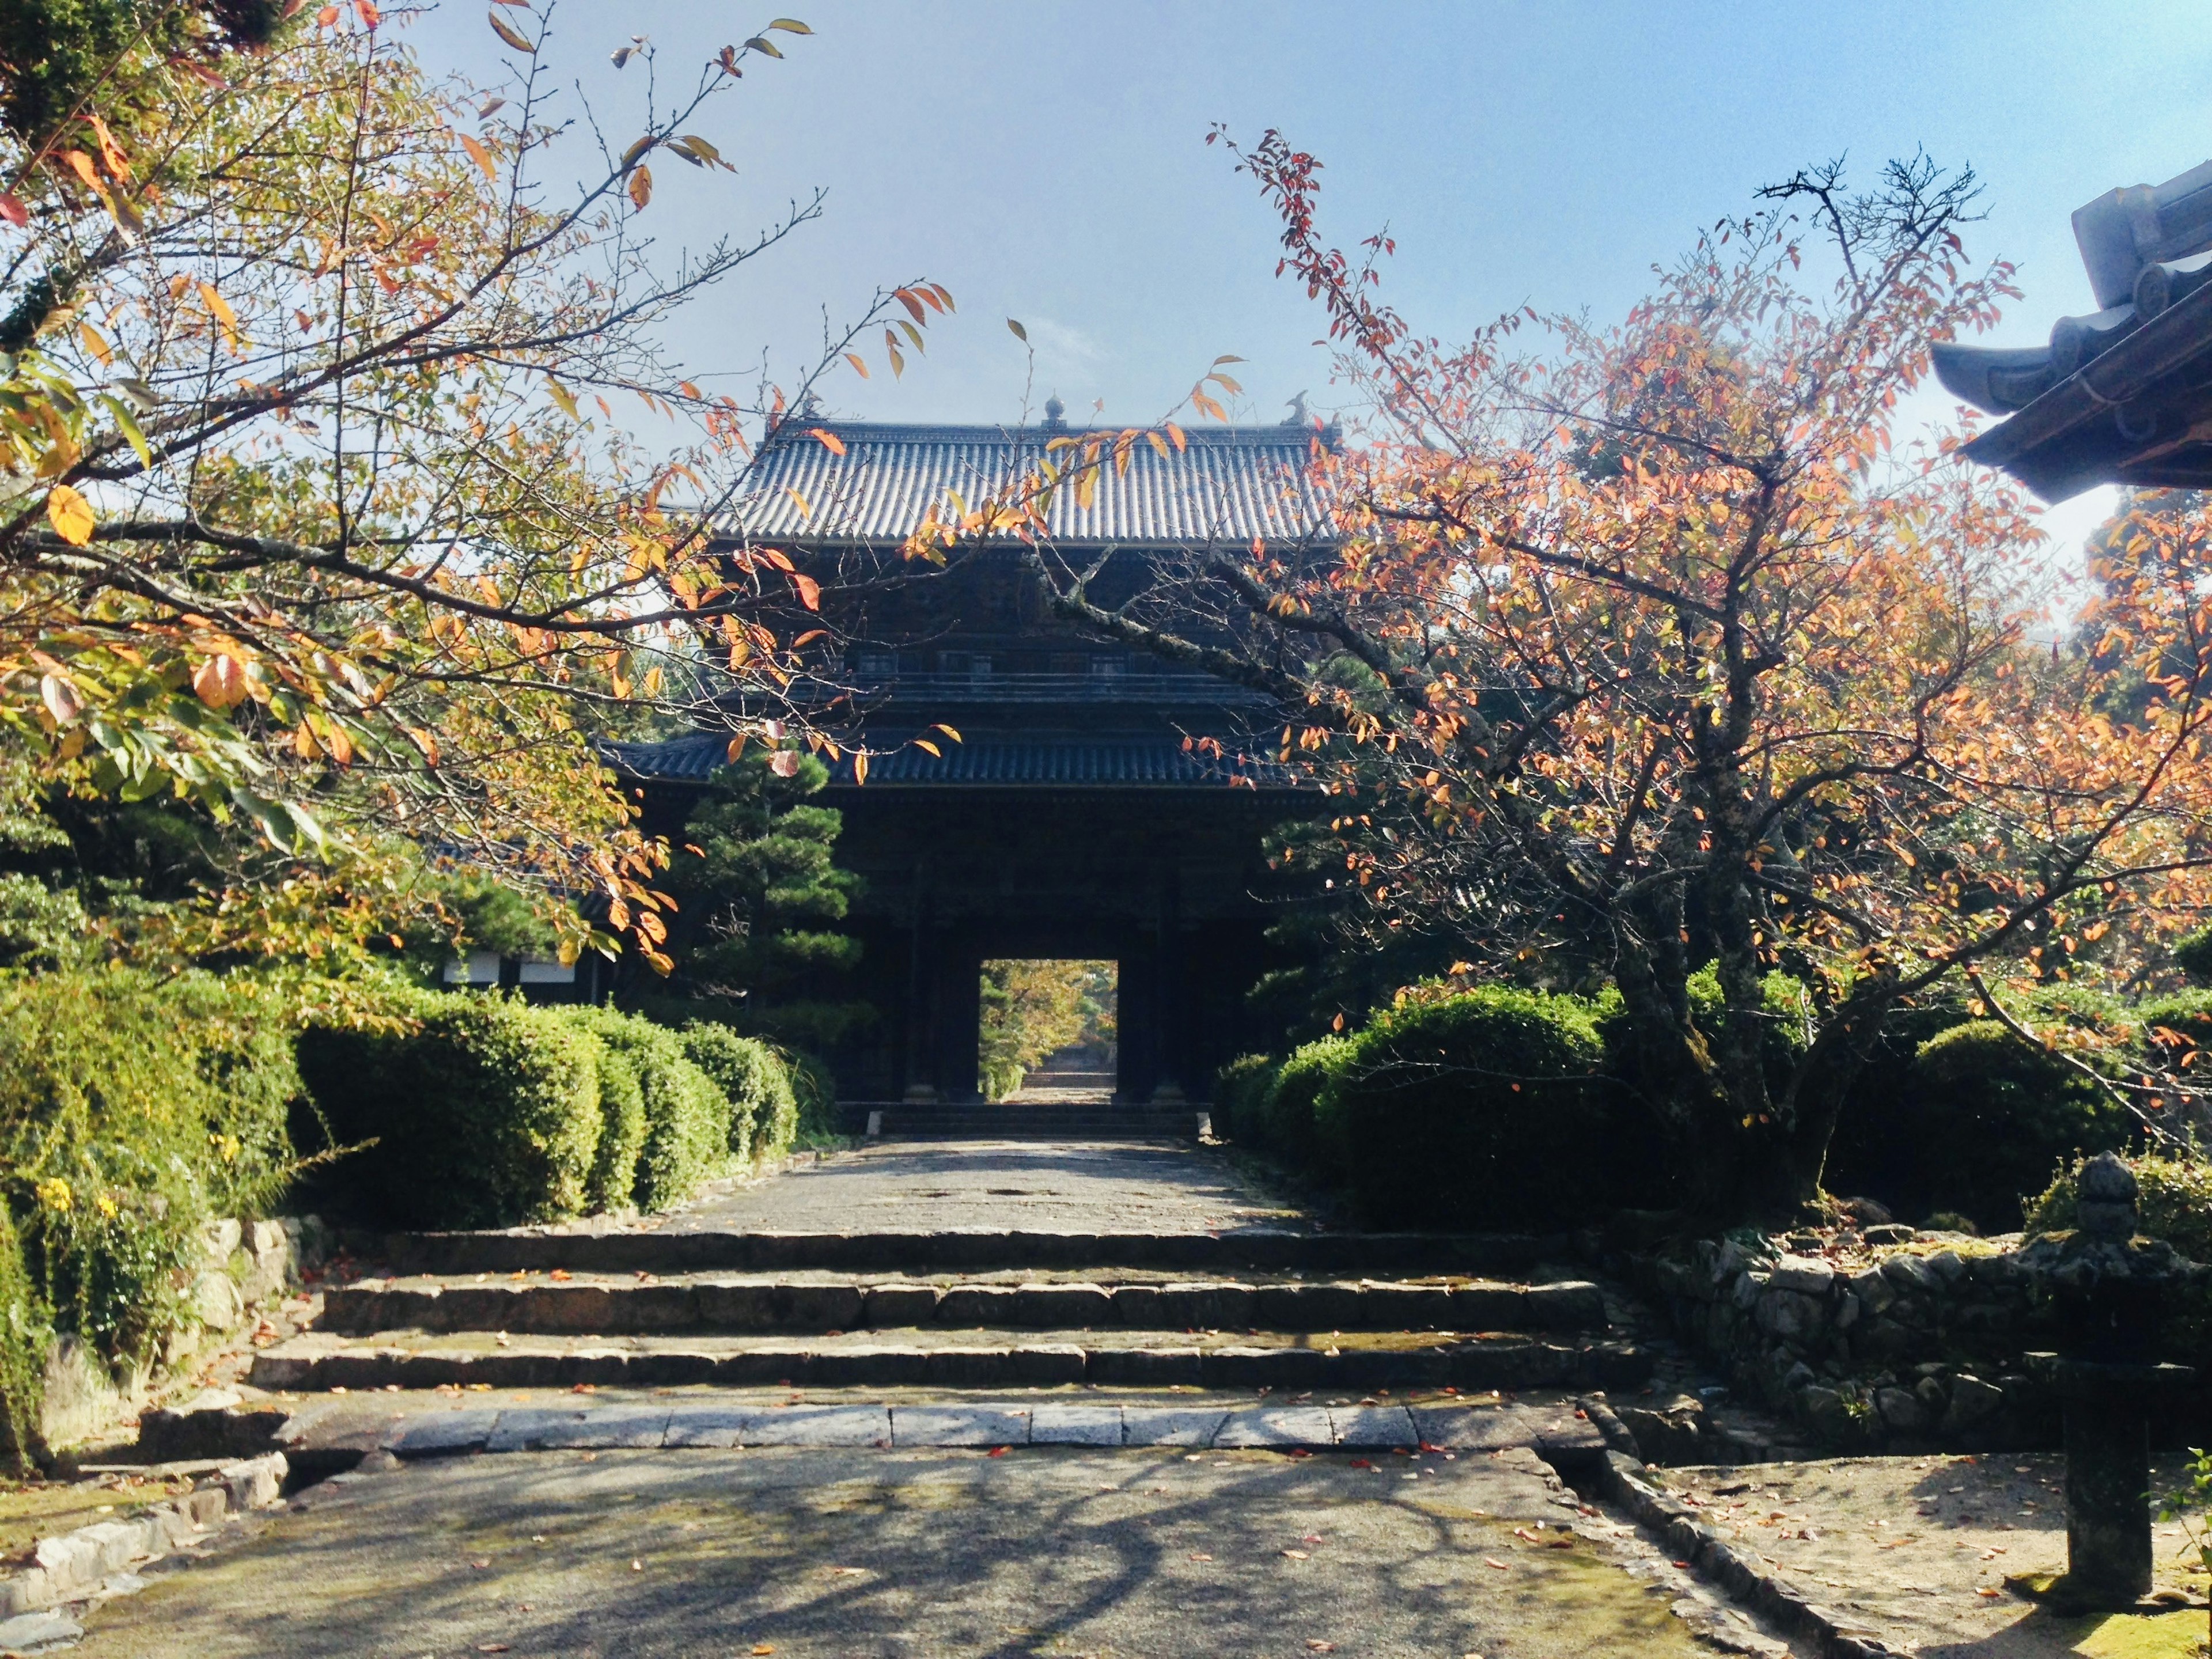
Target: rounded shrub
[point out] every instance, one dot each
(1287, 1118)
(1992, 1117)
(484, 1112)
(751, 1079)
(1468, 1112)
(687, 1117)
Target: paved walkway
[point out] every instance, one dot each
(1921, 1549)
(1079, 1186)
(850, 1554)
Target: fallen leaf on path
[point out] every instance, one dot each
(846, 1572)
(763, 1647)
(1361, 1463)
(560, 1275)
(1314, 1645)
(1991, 1594)
(492, 1647)
(1500, 1565)
(637, 1566)
(997, 1451)
(1298, 1555)
(479, 1566)
(1200, 1555)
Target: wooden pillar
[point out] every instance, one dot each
(921, 1048)
(1169, 1021)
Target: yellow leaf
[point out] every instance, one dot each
(948, 731)
(218, 305)
(768, 46)
(562, 396)
(220, 681)
(789, 26)
(70, 514)
(860, 766)
(96, 345)
(641, 187)
(482, 157)
(928, 748)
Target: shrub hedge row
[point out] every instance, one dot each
(485, 1111)
(1501, 1108)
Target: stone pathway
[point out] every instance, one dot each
(904, 1188)
(843, 1554)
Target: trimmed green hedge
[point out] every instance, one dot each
(754, 1082)
(687, 1117)
(613, 1184)
(1993, 1118)
(484, 1111)
(1466, 1113)
(1286, 1123)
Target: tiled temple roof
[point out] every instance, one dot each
(1043, 760)
(1226, 485)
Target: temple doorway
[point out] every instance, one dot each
(1047, 1029)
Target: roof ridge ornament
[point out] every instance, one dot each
(1298, 417)
(2118, 396)
(1056, 413)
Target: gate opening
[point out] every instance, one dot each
(1047, 1029)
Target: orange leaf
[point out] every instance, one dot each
(482, 157)
(912, 305)
(499, 26)
(860, 776)
(831, 441)
(641, 187)
(860, 367)
(13, 210)
(809, 591)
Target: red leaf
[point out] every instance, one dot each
(13, 210)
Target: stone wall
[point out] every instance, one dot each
(246, 1266)
(1917, 1343)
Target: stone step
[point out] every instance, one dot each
(1555, 1430)
(608, 1306)
(673, 1250)
(935, 1358)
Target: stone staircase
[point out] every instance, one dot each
(982, 1309)
(1080, 1118)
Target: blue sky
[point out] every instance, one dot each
(1047, 161)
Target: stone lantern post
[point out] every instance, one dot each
(2111, 1289)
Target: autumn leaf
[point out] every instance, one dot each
(784, 762)
(500, 26)
(562, 396)
(809, 591)
(70, 514)
(1020, 333)
(764, 45)
(860, 776)
(831, 441)
(481, 156)
(859, 367)
(641, 187)
(791, 26)
(13, 210)
(220, 681)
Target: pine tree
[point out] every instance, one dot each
(755, 875)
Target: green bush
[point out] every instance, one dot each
(751, 1079)
(133, 1111)
(1472, 1111)
(25, 1336)
(613, 1184)
(2192, 954)
(485, 1111)
(1239, 1088)
(687, 1116)
(2174, 1201)
(1992, 1117)
(1286, 1111)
